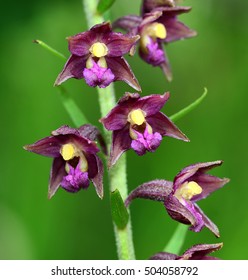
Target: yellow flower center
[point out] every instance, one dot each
(68, 151)
(136, 117)
(188, 190)
(99, 49)
(156, 30)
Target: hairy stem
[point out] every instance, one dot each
(117, 174)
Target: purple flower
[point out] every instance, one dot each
(149, 5)
(137, 123)
(97, 56)
(196, 252)
(180, 196)
(75, 161)
(157, 25)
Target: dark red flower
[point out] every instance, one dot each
(157, 25)
(137, 123)
(75, 161)
(180, 196)
(97, 56)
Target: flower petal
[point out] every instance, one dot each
(117, 118)
(73, 69)
(171, 12)
(179, 212)
(208, 184)
(80, 44)
(151, 104)
(163, 256)
(83, 137)
(93, 133)
(48, 146)
(121, 141)
(96, 173)
(149, 5)
(128, 23)
(154, 190)
(56, 175)
(186, 173)
(119, 44)
(149, 18)
(200, 251)
(165, 66)
(122, 71)
(207, 222)
(154, 53)
(176, 30)
(64, 130)
(162, 124)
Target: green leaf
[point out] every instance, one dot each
(104, 5)
(189, 108)
(119, 210)
(50, 49)
(71, 107)
(176, 242)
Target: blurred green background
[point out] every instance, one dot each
(79, 226)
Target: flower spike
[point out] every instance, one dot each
(97, 57)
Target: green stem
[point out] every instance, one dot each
(189, 108)
(175, 244)
(117, 174)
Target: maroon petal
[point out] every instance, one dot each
(165, 66)
(207, 222)
(95, 172)
(64, 130)
(84, 137)
(154, 190)
(179, 212)
(200, 251)
(129, 99)
(93, 133)
(170, 12)
(149, 5)
(73, 69)
(121, 141)
(56, 175)
(186, 173)
(49, 147)
(208, 184)
(162, 124)
(151, 104)
(80, 44)
(163, 256)
(119, 44)
(176, 30)
(149, 18)
(128, 23)
(122, 71)
(116, 119)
